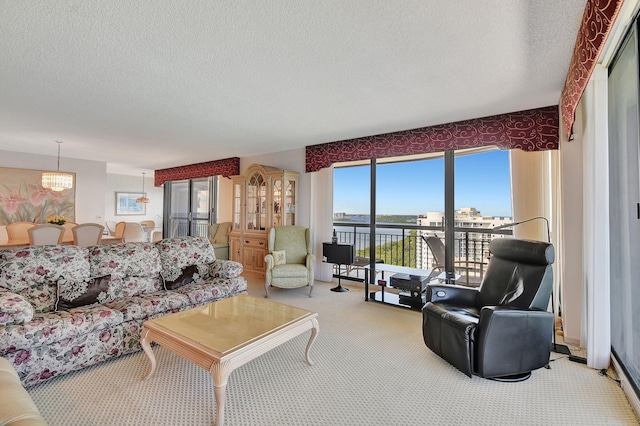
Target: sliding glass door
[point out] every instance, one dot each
(191, 206)
(624, 193)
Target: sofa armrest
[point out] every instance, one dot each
(14, 309)
(451, 294)
(16, 406)
(225, 269)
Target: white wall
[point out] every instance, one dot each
(125, 183)
(293, 160)
(90, 179)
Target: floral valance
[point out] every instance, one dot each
(529, 130)
(597, 21)
(226, 167)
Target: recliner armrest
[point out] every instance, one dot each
(451, 294)
(512, 340)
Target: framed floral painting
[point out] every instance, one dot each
(23, 199)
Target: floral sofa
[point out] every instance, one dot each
(63, 308)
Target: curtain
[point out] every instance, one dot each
(322, 219)
(596, 309)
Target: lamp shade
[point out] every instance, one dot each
(57, 181)
(143, 199)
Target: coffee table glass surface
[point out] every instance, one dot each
(232, 323)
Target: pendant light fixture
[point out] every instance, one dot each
(143, 199)
(57, 181)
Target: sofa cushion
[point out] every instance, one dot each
(177, 277)
(143, 306)
(136, 285)
(124, 260)
(14, 309)
(185, 251)
(51, 327)
(76, 293)
(24, 267)
(210, 291)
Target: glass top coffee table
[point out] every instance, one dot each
(226, 334)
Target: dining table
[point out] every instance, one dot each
(21, 242)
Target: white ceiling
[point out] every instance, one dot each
(146, 85)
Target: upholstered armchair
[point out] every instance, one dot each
(501, 330)
(289, 262)
(219, 238)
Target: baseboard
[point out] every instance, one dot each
(627, 388)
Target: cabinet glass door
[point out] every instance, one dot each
(256, 202)
(290, 202)
(237, 205)
(277, 202)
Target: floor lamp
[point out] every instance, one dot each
(560, 349)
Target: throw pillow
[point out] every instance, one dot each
(178, 277)
(73, 294)
(279, 256)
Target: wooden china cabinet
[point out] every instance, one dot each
(263, 197)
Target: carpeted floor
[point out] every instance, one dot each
(371, 368)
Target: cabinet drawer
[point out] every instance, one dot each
(249, 242)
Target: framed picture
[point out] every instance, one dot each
(126, 204)
(23, 199)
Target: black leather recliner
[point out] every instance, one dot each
(501, 330)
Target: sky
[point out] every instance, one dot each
(417, 187)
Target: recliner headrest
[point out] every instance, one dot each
(525, 251)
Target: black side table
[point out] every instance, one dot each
(340, 254)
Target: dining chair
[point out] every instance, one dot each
(68, 233)
(18, 230)
(111, 227)
(148, 223)
(45, 234)
(119, 230)
(87, 234)
(134, 232)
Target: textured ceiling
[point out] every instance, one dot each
(145, 85)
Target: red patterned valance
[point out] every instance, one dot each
(530, 130)
(227, 167)
(597, 20)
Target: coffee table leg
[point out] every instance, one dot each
(146, 346)
(220, 373)
(314, 333)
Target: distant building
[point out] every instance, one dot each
(476, 245)
(339, 215)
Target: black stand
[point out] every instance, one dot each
(339, 288)
(339, 254)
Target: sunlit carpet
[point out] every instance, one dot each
(371, 368)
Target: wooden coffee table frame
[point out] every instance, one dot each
(221, 365)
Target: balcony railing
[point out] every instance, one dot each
(401, 244)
